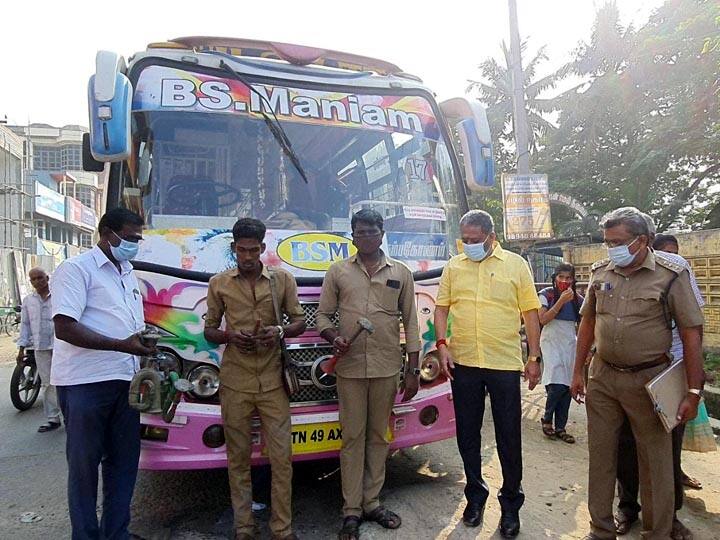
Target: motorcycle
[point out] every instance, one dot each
(25, 382)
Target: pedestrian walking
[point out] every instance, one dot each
(98, 314)
(374, 286)
(245, 298)
(626, 314)
(486, 290)
(37, 333)
(559, 316)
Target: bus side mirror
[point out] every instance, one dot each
(109, 101)
(470, 120)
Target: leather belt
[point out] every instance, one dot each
(664, 359)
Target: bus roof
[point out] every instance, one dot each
(300, 55)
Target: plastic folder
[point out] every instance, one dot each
(667, 391)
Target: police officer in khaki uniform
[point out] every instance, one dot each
(630, 302)
(251, 376)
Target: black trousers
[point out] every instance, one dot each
(469, 389)
(627, 469)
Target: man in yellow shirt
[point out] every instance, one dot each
(485, 290)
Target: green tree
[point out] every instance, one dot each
(494, 91)
(643, 129)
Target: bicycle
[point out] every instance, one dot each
(10, 323)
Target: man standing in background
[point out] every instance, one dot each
(37, 333)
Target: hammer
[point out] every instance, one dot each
(364, 325)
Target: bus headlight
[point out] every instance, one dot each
(205, 381)
(430, 368)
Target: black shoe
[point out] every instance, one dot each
(509, 525)
(473, 514)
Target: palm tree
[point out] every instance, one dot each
(495, 91)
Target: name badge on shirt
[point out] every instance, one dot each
(602, 286)
(393, 283)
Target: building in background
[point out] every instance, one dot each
(15, 223)
(66, 199)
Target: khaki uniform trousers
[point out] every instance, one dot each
(610, 396)
(273, 408)
(365, 407)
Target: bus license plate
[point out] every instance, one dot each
(311, 438)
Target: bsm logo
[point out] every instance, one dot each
(315, 251)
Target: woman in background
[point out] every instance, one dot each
(559, 315)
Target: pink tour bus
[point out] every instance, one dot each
(196, 132)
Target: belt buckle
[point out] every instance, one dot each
(621, 369)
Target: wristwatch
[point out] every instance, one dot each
(534, 358)
(697, 391)
(281, 331)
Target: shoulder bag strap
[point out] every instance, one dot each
(284, 357)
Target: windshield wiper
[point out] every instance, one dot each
(273, 123)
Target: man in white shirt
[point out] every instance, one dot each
(98, 314)
(36, 332)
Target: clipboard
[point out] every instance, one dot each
(667, 391)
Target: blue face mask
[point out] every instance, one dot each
(475, 252)
(126, 251)
(621, 256)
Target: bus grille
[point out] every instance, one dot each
(310, 309)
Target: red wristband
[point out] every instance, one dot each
(227, 337)
(440, 342)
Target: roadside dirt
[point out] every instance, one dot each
(424, 485)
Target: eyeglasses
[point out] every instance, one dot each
(617, 243)
(362, 236)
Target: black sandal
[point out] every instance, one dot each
(547, 429)
(350, 529)
(50, 426)
(564, 436)
(384, 517)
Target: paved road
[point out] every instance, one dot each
(423, 484)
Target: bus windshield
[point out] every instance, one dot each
(201, 171)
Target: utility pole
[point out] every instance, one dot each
(520, 118)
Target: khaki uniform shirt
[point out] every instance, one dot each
(630, 327)
(230, 295)
(382, 299)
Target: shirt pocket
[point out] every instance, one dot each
(134, 301)
(501, 289)
(386, 298)
(603, 301)
(645, 304)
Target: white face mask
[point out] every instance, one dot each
(621, 256)
(125, 251)
(475, 252)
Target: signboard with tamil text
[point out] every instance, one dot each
(526, 206)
